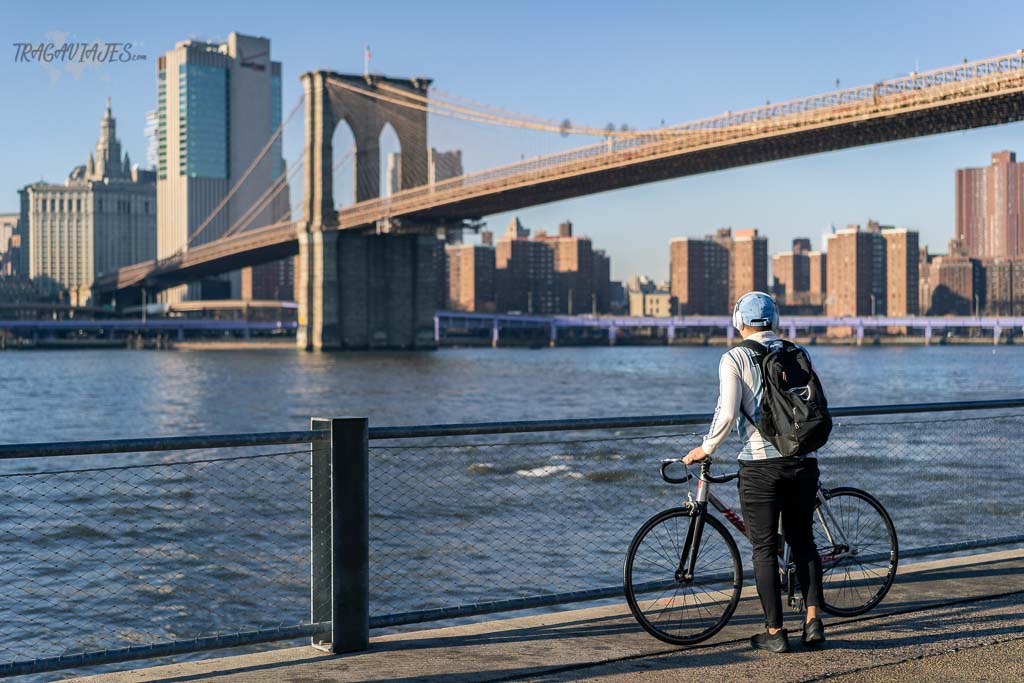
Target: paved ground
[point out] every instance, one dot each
(940, 622)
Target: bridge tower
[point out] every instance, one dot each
(359, 290)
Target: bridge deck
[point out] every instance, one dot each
(970, 604)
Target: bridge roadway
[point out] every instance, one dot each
(946, 620)
(964, 96)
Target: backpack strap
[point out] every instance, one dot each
(759, 351)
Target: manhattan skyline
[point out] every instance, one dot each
(665, 69)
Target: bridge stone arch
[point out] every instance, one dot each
(332, 97)
(359, 290)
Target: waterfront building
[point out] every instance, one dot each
(524, 278)
(817, 268)
(470, 277)
(1004, 286)
(990, 208)
(902, 277)
(573, 259)
(748, 264)
(102, 218)
(791, 274)
(706, 276)
(656, 304)
(953, 284)
(218, 104)
(856, 271)
(602, 281)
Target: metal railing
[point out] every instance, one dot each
(472, 519)
(196, 544)
(169, 546)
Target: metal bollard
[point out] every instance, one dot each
(339, 534)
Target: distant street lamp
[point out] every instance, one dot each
(872, 305)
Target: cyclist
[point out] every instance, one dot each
(770, 484)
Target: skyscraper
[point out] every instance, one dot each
(990, 208)
(218, 104)
(102, 218)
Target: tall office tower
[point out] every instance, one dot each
(856, 272)
(524, 272)
(151, 132)
(955, 283)
(393, 179)
(817, 269)
(748, 264)
(902, 268)
(218, 104)
(990, 208)
(102, 218)
(470, 277)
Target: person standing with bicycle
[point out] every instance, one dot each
(767, 386)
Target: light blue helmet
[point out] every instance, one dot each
(755, 309)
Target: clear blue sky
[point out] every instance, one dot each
(592, 62)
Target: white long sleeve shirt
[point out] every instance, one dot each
(739, 384)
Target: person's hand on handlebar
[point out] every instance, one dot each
(696, 455)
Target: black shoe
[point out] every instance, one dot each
(773, 643)
(814, 633)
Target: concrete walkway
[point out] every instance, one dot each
(956, 619)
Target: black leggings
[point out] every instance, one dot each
(768, 489)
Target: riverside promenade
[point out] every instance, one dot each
(950, 619)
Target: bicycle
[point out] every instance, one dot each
(696, 577)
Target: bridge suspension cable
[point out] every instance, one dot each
(418, 102)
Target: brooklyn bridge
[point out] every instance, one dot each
(366, 272)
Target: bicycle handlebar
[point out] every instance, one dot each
(673, 480)
(705, 474)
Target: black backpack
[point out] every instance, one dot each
(794, 412)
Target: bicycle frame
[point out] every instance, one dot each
(829, 524)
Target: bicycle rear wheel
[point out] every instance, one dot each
(859, 551)
(677, 611)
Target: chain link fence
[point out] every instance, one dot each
(154, 554)
(199, 546)
(457, 524)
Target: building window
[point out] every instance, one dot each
(203, 111)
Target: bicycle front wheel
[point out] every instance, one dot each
(669, 607)
(859, 551)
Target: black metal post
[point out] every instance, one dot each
(339, 534)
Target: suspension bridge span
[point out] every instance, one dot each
(366, 270)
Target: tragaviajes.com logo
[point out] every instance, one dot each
(60, 53)
(82, 53)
